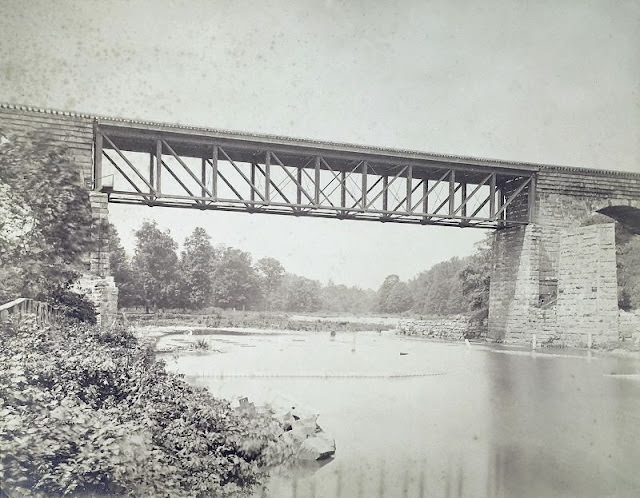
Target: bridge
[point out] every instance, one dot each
(554, 273)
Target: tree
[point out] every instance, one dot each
(385, 291)
(394, 296)
(270, 273)
(155, 264)
(45, 219)
(120, 269)
(439, 289)
(340, 298)
(196, 266)
(300, 294)
(476, 277)
(400, 298)
(235, 282)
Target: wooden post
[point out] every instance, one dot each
(464, 200)
(409, 188)
(252, 192)
(214, 175)
(158, 167)
(425, 194)
(499, 206)
(152, 174)
(364, 184)
(492, 196)
(385, 193)
(316, 195)
(532, 199)
(97, 162)
(203, 176)
(267, 175)
(452, 192)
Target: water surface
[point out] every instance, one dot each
(440, 419)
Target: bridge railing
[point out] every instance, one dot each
(23, 307)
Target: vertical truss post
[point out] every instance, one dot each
(267, 175)
(532, 199)
(385, 193)
(152, 173)
(364, 184)
(500, 202)
(464, 200)
(158, 166)
(299, 187)
(316, 194)
(97, 161)
(452, 192)
(492, 196)
(425, 195)
(214, 175)
(409, 188)
(343, 189)
(252, 191)
(203, 176)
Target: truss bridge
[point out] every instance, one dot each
(159, 165)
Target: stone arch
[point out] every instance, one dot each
(626, 213)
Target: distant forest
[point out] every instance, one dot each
(205, 275)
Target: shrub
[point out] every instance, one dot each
(73, 305)
(84, 411)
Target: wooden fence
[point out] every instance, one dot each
(24, 307)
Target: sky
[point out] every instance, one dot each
(553, 82)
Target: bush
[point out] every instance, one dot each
(84, 411)
(73, 305)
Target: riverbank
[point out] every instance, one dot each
(85, 411)
(186, 328)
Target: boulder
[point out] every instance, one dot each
(302, 429)
(317, 447)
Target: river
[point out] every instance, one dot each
(418, 418)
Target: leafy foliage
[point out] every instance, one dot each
(299, 294)
(196, 265)
(394, 296)
(121, 271)
(45, 220)
(270, 273)
(156, 266)
(439, 289)
(341, 298)
(476, 277)
(234, 280)
(90, 412)
(73, 305)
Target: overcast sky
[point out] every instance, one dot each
(549, 81)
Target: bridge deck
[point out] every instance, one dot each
(164, 165)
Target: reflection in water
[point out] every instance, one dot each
(443, 420)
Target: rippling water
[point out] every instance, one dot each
(440, 419)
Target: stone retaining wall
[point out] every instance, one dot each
(455, 327)
(629, 325)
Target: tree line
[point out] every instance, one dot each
(202, 275)
(457, 285)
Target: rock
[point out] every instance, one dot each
(302, 429)
(317, 447)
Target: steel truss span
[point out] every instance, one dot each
(204, 169)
